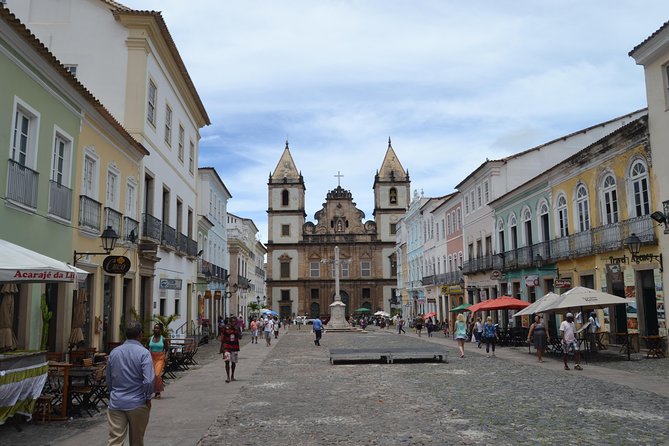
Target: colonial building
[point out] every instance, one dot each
(301, 277)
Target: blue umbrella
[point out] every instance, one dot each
(268, 311)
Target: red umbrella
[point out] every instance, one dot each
(501, 303)
(429, 315)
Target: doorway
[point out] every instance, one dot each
(648, 303)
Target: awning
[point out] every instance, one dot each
(19, 264)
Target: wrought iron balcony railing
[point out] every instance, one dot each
(60, 200)
(22, 184)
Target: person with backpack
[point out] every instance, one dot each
(489, 336)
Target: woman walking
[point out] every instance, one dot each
(461, 333)
(158, 346)
(419, 325)
(429, 325)
(539, 337)
(489, 336)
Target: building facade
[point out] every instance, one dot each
(301, 276)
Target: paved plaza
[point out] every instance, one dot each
(290, 394)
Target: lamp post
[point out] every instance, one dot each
(109, 238)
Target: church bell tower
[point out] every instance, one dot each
(391, 195)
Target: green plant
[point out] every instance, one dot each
(46, 317)
(165, 321)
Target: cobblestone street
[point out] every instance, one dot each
(298, 396)
(290, 394)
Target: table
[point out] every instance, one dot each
(628, 343)
(655, 346)
(22, 377)
(599, 340)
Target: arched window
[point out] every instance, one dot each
(458, 220)
(285, 195)
(582, 208)
(513, 231)
(609, 200)
(500, 237)
(527, 224)
(562, 217)
(393, 195)
(448, 224)
(543, 221)
(640, 193)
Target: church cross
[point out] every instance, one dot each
(339, 175)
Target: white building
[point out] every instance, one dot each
(128, 60)
(242, 246)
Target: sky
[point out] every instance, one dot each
(453, 83)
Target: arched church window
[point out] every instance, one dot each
(285, 195)
(393, 195)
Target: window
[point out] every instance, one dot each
(365, 268)
(130, 200)
(639, 179)
(448, 224)
(479, 197)
(366, 293)
(393, 195)
(72, 69)
(393, 228)
(314, 269)
(163, 306)
(168, 125)
(151, 103)
(285, 295)
(285, 230)
(25, 136)
(562, 218)
(466, 205)
(112, 189)
(60, 165)
(89, 186)
(191, 157)
(471, 199)
(285, 197)
(285, 269)
(443, 228)
(500, 236)
(315, 295)
(582, 208)
(486, 192)
(180, 150)
(344, 268)
(177, 306)
(393, 264)
(458, 220)
(513, 232)
(609, 201)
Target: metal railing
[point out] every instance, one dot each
(113, 218)
(90, 213)
(22, 184)
(131, 229)
(151, 227)
(450, 278)
(169, 237)
(191, 249)
(597, 240)
(182, 243)
(60, 200)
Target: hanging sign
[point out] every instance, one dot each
(116, 264)
(170, 284)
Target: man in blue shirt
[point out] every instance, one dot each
(130, 381)
(318, 329)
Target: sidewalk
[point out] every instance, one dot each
(648, 383)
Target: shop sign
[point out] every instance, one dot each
(170, 284)
(116, 264)
(496, 274)
(563, 283)
(532, 280)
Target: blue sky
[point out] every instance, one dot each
(451, 82)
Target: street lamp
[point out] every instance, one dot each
(109, 237)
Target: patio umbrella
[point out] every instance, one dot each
(268, 311)
(7, 337)
(429, 315)
(19, 264)
(78, 318)
(462, 307)
(539, 305)
(362, 310)
(382, 313)
(474, 308)
(502, 303)
(583, 298)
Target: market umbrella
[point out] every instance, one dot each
(382, 313)
(462, 307)
(362, 310)
(583, 298)
(78, 319)
(7, 337)
(539, 305)
(268, 311)
(501, 303)
(475, 307)
(429, 315)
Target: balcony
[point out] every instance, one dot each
(428, 280)
(151, 228)
(22, 184)
(90, 213)
(60, 200)
(450, 278)
(169, 238)
(182, 243)
(113, 218)
(597, 240)
(191, 249)
(131, 229)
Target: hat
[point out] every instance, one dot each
(569, 315)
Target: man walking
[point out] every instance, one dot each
(230, 347)
(318, 330)
(130, 378)
(400, 326)
(268, 329)
(568, 329)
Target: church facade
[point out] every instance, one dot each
(300, 253)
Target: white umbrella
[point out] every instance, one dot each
(19, 264)
(382, 313)
(584, 298)
(539, 305)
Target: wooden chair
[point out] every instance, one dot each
(43, 408)
(55, 356)
(87, 362)
(77, 356)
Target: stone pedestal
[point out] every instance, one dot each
(337, 317)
